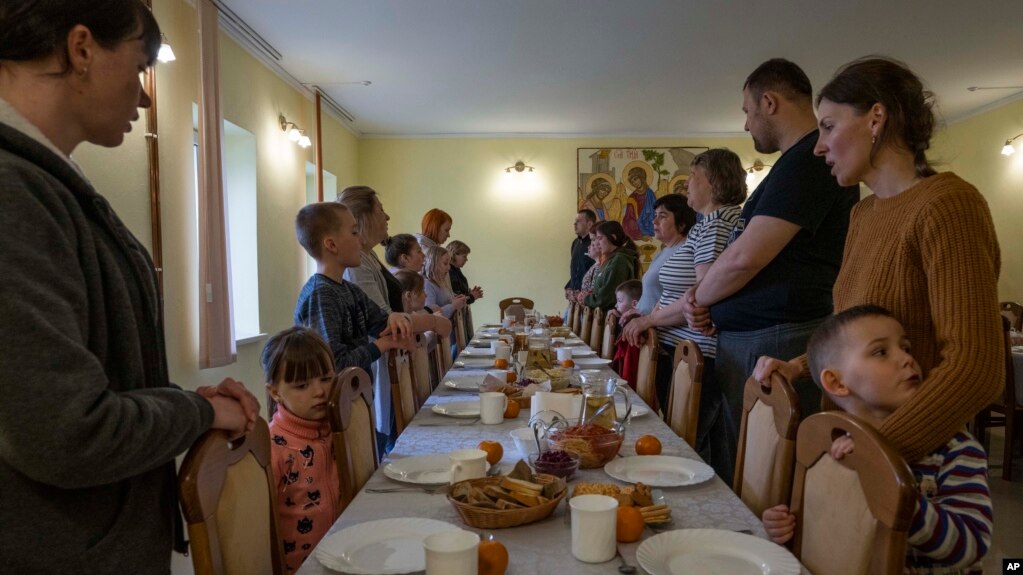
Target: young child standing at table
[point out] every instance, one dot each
(299, 371)
(861, 359)
(626, 357)
(413, 291)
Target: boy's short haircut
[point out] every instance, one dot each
(824, 346)
(296, 354)
(631, 288)
(397, 246)
(314, 222)
(410, 281)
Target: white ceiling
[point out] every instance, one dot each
(599, 67)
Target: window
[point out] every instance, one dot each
(311, 197)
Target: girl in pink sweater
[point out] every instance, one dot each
(299, 371)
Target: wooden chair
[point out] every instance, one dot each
(524, 303)
(436, 363)
(228, 497)
(852, 516)
(646, 371)
(469, 328)
(443, 352)
(683, 410)
(608, 338)
(1013, 312)
(1009, 410)
(596, 331)
(767, 444)
(403, 393)
(458, 327)
(353, 431)
(576, 319)
(422, 371)
(586, 325)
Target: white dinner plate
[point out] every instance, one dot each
(590, 361)
(466, 409)
(637, 410)
(582, 352)
(421, 469)
(714, 551)
(463, 384)
(478, 351)
(477, 362)
(659, 470)
(386, 546)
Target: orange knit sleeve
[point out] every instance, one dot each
(960, 257)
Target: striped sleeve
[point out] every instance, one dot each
(714, 237)
(952, 525)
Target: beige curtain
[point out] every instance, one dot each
(216, 327)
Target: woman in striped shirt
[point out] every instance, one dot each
(717, 185)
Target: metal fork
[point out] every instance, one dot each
(429, 490)
(438, 424)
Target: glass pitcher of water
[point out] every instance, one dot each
(598, 407)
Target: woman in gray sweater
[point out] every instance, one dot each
(90, 424)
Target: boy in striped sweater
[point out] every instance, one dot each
(861, 359)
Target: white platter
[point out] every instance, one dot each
(461, 409)
(659, 470)
(463, 384)
(591, 361)
(713, 551)
(385, 546)
(582, 352)
(421, 469)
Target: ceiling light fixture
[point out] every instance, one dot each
(295, 134)
(757, 166)
(166, 54)
(520, 167)
(1008, 149)
(975, 88)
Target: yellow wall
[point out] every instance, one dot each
(252, 98)
(971, 148)
(519, 226)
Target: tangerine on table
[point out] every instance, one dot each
(493, 558)
(629, 524)
(494, 451)
(500, 363)
(512, 411)
(567, 364)
(511, 376)
(648, 445)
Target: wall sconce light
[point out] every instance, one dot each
(1008, 149)
(295, 134)
(519, 166)
(757, 166)
(166, 54)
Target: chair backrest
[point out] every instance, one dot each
(586, 325)
(524, 303)
(646, 369)
(683, 410)
(353, 431)
(852, 515)
(436, 363)
(576, 319)
(469, 328)
(458, 326)
(228, 497)
(1012, 311)
(422, 374)
(765, 458)
(607, 340)
(596, 331)
(403, 393)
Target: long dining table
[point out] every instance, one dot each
(544, 546)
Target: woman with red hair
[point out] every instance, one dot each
(436, 229)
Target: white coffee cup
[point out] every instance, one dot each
(492, 405)
(564, 353)
(452, 553)
(508, 321)
(523, 357)
(467, 464)
(503, 351)
(593, 527)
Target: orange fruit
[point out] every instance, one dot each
(568, 364)
(512, 411)
(629, 524)
(511, 376)
(648, 445)
(500, 363)
(494, 451)
(493, 558)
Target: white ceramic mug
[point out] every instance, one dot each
(564, 353)
(492, 406)
(452, 553)
(593, 527)
(467, 464)
(503, 351)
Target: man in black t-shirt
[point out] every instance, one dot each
(584, 222)
(772, 285)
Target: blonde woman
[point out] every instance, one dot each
(438, 283)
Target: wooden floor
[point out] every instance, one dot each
(1007, 499)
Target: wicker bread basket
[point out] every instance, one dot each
(484, 518)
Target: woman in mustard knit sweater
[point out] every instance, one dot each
(923, 246)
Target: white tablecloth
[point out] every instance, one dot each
(542, 547)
